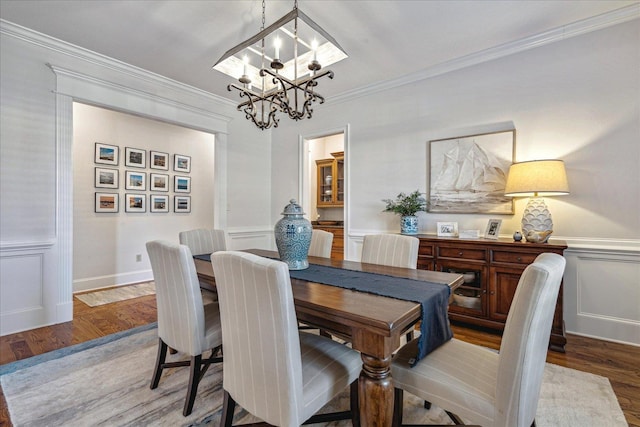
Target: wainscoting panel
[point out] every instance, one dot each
(602, 293)
(31, 299)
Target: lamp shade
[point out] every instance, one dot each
(537, 178)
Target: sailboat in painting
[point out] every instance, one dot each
(470, 179)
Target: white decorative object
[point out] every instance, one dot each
(493, 229)
(536, 216)
(447, 229)
(469, 234)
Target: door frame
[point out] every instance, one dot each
(304, 186)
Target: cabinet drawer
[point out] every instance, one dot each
(513, 257)
(425, 263)
(425, 250)
(462, 253)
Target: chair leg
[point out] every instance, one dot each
(194, 380)
(398, 400)
(456, 419)
(160, 359)
(228, 407)
(354, 401)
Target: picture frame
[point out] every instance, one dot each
(106, 154)
(158, 182)
(135, 181)
(468, 174)
(135, 202)
(182, 163)
(447, 229)
(182, 204)
(159, 160)
(181, 184)
(159, 203)
(106, 178)
(135, 157)
(107, 202)
(493, 229)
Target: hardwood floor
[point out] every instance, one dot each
(617, 362)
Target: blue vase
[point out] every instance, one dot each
(409, 224)
(293, 237)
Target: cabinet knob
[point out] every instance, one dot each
(519, 258)
(493, 292)
(460, 253)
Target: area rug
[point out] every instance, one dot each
(94, 299)
(106, 382)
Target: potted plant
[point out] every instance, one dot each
(407, 205)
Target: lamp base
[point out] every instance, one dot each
(537, 224)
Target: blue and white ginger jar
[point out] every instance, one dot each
(293, 237)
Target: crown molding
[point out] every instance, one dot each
(38, 39)
(65, 89)
(564, 32)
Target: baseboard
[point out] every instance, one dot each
(94, 283)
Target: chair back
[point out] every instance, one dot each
(180, 310)
(203, 241)
(262, 368)
(525, 341)
(321, 242)
(394, 250)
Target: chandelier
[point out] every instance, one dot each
(278, 68)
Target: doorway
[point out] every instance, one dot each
(324, 184)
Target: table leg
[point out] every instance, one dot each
(376, 392)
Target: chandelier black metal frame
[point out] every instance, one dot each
(287, 81)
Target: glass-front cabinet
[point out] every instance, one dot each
(331, 181)
(470, 297)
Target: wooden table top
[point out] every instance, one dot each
(345, 311)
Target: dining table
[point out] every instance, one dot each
(374, 324)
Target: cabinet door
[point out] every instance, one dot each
(325, 182)
(502, 288)
(470, 297)
(339, 182)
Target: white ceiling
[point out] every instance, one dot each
(384, 39)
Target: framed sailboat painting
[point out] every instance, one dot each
(467, 174)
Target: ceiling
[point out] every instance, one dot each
(384, 39)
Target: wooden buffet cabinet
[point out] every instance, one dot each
(491, 269)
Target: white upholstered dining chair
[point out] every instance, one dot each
(184, 323)
(475, 383)
(272, 370)
(321, 242)
(394, 250)
(203, 241)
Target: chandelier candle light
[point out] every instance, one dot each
(286, 81)
(537, 178)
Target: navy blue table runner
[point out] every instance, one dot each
(432, 297)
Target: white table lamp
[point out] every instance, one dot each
(535, 179)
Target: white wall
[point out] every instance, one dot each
(105, 245)
(40, 78)
(576, 99)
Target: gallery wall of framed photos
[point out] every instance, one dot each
(149, 178)
(124, 182)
